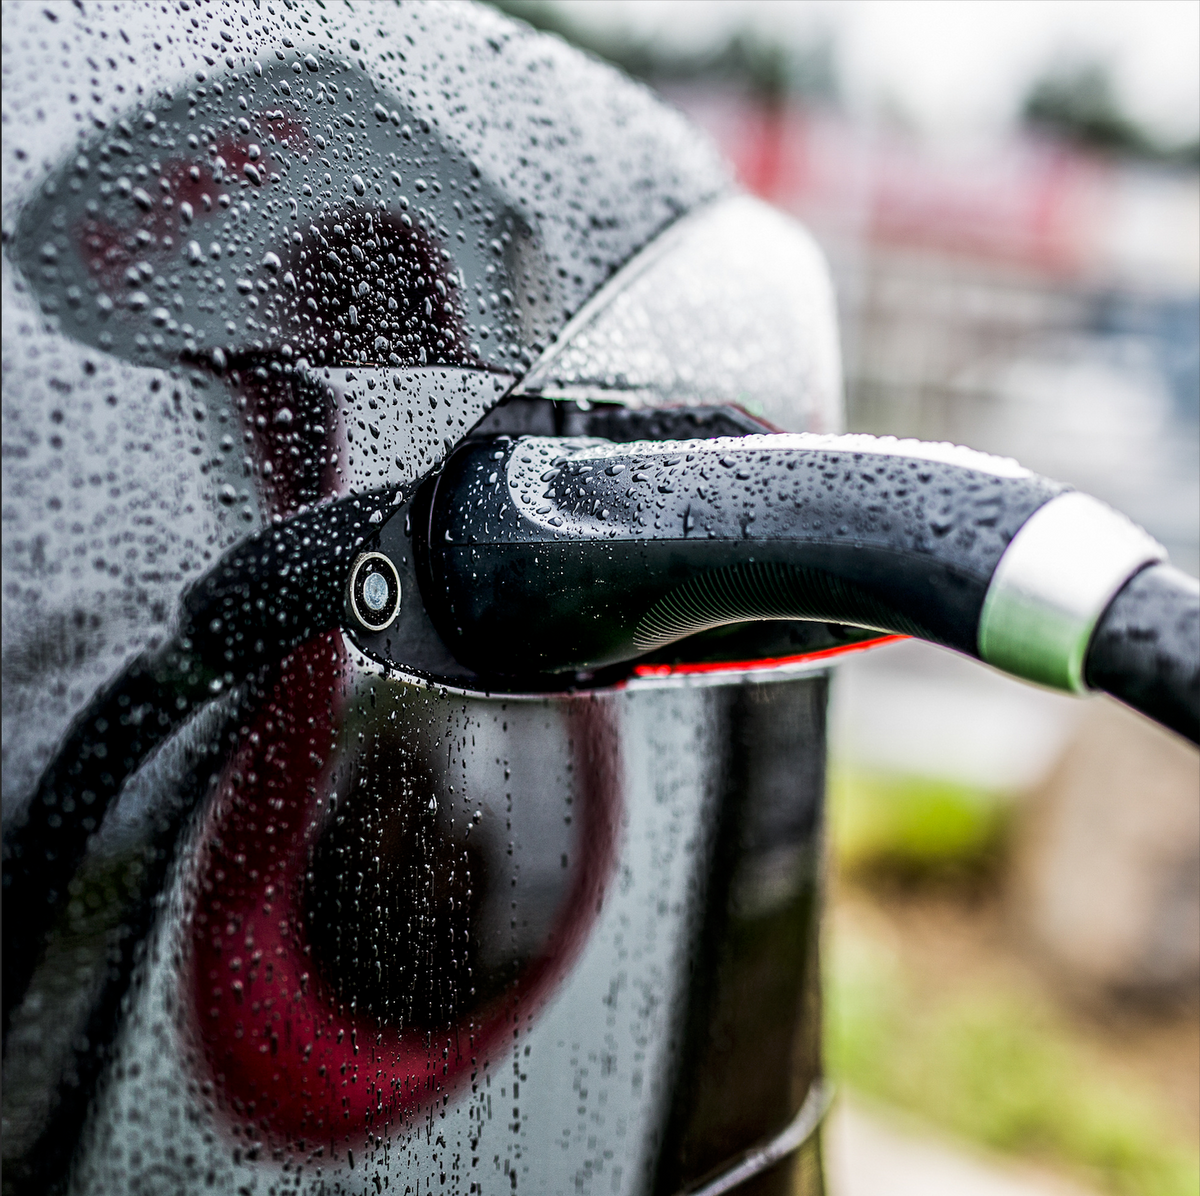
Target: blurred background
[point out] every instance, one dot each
(1009, 198)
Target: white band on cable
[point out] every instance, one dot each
(1059, 573)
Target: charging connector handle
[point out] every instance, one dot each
(549, 554)
(543, 555)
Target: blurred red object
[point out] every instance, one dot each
(1023, 201)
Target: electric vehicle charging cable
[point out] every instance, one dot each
(545, 554)
(538, 556)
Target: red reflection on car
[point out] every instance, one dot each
(292, 1054)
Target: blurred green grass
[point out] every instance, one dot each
(990, 1063)
(920, 831)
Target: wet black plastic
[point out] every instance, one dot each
(542, 556)
(747, 999)
(1145, 650)
(413, 643)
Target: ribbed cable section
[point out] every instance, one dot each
(759, 591)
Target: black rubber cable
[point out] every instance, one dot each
(1145, 650)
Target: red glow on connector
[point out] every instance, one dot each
(738, 666)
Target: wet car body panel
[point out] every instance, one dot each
(174, 274)
(689, 954)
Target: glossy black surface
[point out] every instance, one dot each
(555, 554)
(264, 262)
(752, 1034)
(1145, 650)
(266, 598)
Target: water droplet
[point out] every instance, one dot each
(359, 186)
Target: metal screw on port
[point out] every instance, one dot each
(373, 593)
